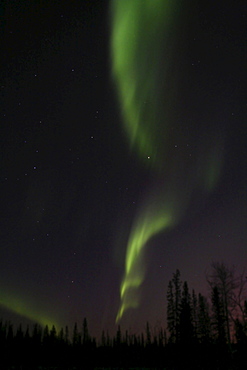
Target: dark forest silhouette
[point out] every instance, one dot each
(201, 333)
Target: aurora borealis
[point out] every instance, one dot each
(123, 156)
(144, 43)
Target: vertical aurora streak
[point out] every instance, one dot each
(145, 227)
(147, 73)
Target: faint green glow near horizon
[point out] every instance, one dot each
(22, 308)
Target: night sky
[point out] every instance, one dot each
(74, 192)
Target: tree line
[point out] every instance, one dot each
(221, 319)
(201, 333)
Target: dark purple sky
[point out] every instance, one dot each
(70, 188)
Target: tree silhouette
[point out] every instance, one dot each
(219, 318)
(171, 313)
(185, 322)
(174, 307)
(76, 336)
(223, 278)
(204, 322)
(194, 313)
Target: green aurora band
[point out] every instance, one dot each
(145, 46)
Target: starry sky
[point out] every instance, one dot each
(73, 189)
